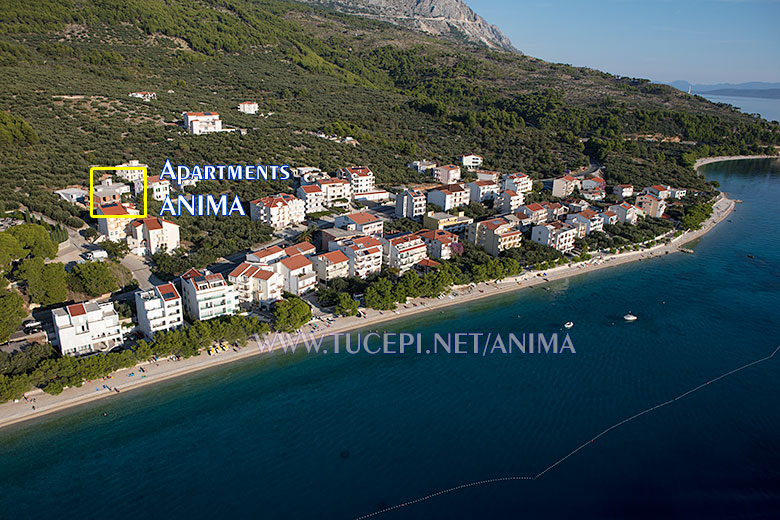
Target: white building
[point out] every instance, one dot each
(360, 221)
(248, 107)
(202, 122)
(482, 190)
(439, 242)
(494, 235)
(256, 285)
(651, 205)
(403, 250)
(312, 197)
(518, 182)
(152, 235)
(589, 218)
(447, 174)
(360, 178)
(564, 186)
(298, 274)
(623, 190)
(410, 204)
(594, 184)
(131, 175)
(73, 195)
(330, 266)
(335, 192)
(207, 295)
(677, 193)
(660, 191)
(558, 235)
(486, 175)
(535, 211)
(278, 211)
(449, 196)
(87, 327)
(626, 213)
(156, 187)
(422, 166)
(471, 161)
(158, 309)
(115, 229)
(365, 255)
(146, 96)
(509, 201)
(609, 217)
(447, 222)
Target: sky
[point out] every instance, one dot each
(701, 41)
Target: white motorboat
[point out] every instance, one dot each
(630, 317)
(568, 324)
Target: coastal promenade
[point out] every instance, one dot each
(164, 369)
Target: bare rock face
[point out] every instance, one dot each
(438, 17)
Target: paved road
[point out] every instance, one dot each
(141, 270)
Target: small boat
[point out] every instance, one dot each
(568, 324)
(630, 317)
(686, 250)
(751, 256)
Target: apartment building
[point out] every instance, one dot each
(471, 161)
(198, 123)
(278, 211)
(248, 107)
(535, 211)
(156, 188)
(365, 255)
(518, 182)
(360, 221)
(564, 186)
(494, 235)
(312, 197)
(589, 218)
(659, 191)
(330, 266)
(509, 201)
(449, 196)
(86, 327)
(623, 190)
(131, 175)
(115, 228)
(207, 295)
(447, 222)
(403, 250)
(410, 204)
(482, 190)
(626, 213)
(335, 192)
(256, 285)
(440, 243)
(446, 174)
(651, 205)
(158, 309)
(558, 235)
(152, 235)
(360, 178)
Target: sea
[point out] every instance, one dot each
(395, 436)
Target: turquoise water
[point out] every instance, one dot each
(343, 436)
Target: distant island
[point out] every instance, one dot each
(770, 93)
(753, 89)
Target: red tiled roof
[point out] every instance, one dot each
(311, 189)
(335, 257)
(77, 309)
(535, 207)
(295, 262)
(300, 249)
(113, 209)
(361, 218)
(168, 292)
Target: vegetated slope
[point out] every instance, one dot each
(68, 66)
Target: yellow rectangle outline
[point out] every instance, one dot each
(92, 192)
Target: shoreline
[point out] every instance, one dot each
(711, 160)
(163, 370)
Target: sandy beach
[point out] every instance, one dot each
(164, 369)
(709, 160)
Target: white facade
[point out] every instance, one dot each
(438, 242)
(207, 295)
(361, 221)
(509, 201)
(660, 191)
(471, 161)
(248, 107)
(152, 235)
(360, 178)
(202, 122)
(312, 197)
(158, 309)
(564, 186)
(626, 213)
(518, 182)
(403, 251)
(132, 175)
(623, 190)
(256, 285)
(278, 211)
(298, 274)
(335, 192)
(449, 196)
(365, 255)
(115, 229)
(410, 204)
(482, 190)
(330, 266)
(589, 218)
(87, 327)
(447, 174)
(494, 235)
(557, 235)
(157, 188)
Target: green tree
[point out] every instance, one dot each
(35, 240)
(10, 249)
(11, 313)
(379, 295)
(92, 279)
(346, 306)
(45, 283)
(115, 250)
(291, 314)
